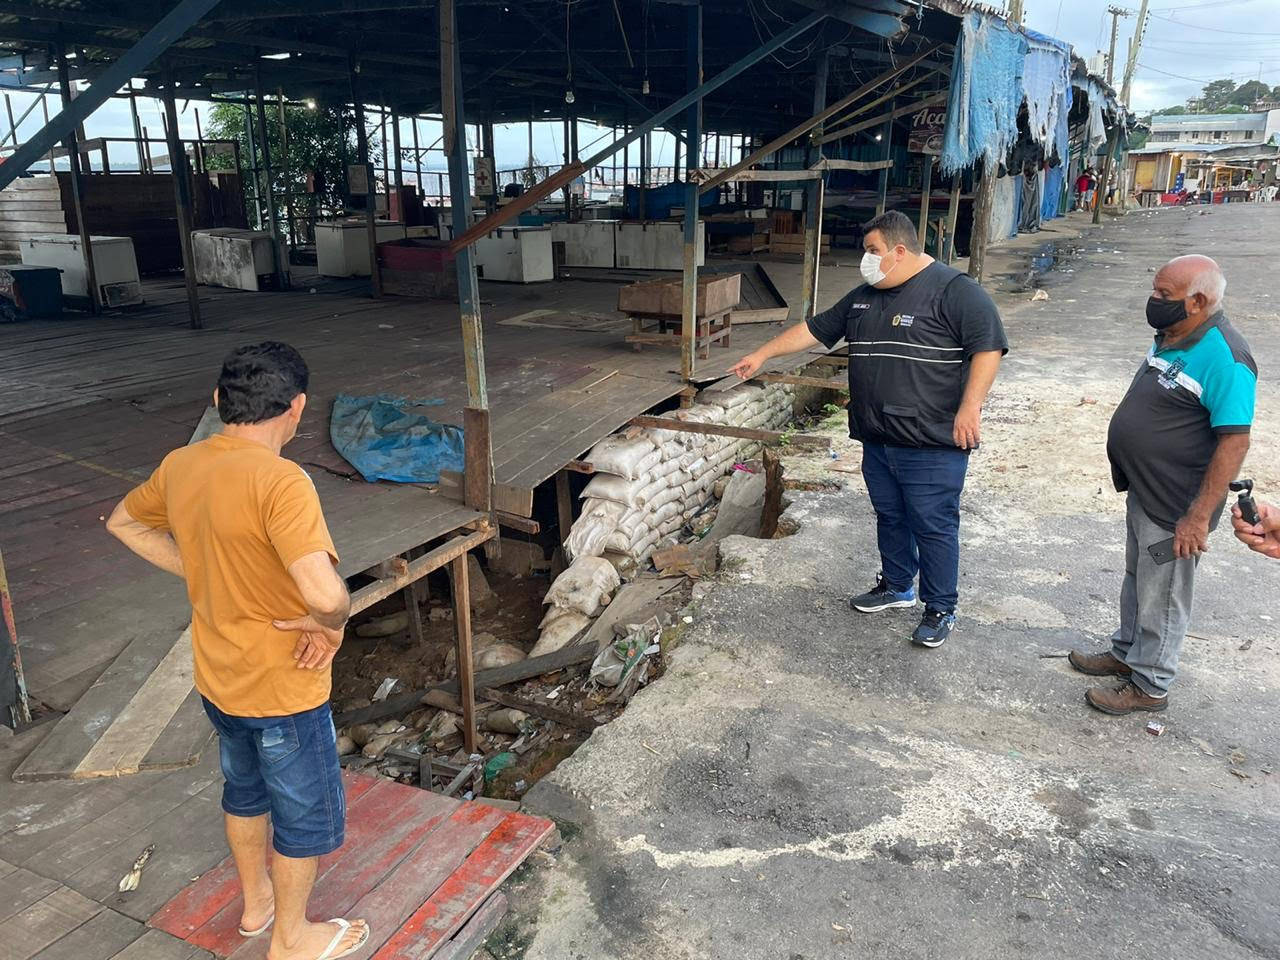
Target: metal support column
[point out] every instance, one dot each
(370, 203)
(693, 135)
(77, 187)
(290, 214)
(478, 483)
(397, 168)
(813, 197)
(487, 150)
(137, 128)
(182, 199)
(268, 193)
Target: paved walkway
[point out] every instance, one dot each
(804, 784)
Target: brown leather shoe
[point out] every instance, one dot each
(1099, 664)
(1124, 699)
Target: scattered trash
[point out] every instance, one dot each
(1155, 728)
(1240, 773)
(346, 745)
(385, 688)
(497, 764)
(1039, 295)
(129, 882)
(1087, 402)
(507, 721)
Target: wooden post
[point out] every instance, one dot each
(386, 151)
(462, 625)
(923, 229)
(814, 193)
(362, 151)
(182, 200)
(981, 231)
(953, 213)
(564, 504)
(77, 188)
(289, 213)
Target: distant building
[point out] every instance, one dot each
(1215, 128)
(1210, 151)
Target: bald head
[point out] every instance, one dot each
(1194, 277)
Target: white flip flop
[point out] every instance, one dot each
(260, 931)
(343, 927)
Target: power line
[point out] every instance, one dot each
(1234, 33)
(1252, 74)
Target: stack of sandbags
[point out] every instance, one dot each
(649, 482)
(576, 598)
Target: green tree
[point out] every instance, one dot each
(1245, 94)
(1217, 94)
(321, 141)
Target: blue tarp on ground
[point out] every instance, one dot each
(986, 91)
(384, 439)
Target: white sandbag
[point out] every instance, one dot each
(676, 445)
(691, 489)
(498, 655)
(621, 455)
(560, 633)
(586, 586)
(672, 509)
(555, 613)
(736, 397)
(665, 497)
(644, 498)
(599, 519)
(605, 486)
(664, 468)
(624, 563)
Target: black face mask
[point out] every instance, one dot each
(1165, 313)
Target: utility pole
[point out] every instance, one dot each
(1015, 11)
(1113, 144)
(1116, 14)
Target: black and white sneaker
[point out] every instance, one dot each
(935, 627)
(883, 597)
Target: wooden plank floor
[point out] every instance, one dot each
(415, 864)
(89, 406)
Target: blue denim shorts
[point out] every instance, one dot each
(287, 767)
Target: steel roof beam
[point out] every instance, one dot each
(155, 42)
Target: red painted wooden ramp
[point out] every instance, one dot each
(415, 864)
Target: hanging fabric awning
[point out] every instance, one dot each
(1046, 89)
(986, 91)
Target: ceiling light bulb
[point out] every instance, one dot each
(311, 104)
(568, 96)
(879, 136)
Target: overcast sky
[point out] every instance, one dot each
(1187, 44)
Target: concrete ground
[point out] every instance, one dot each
(803, 784)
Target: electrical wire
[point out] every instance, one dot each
(1233, 33)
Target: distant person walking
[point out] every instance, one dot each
(925, 342)
(243, 527)
(1175, 442)
(1085, 184)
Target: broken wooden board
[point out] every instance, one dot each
(636, 602)
(416, 865)
(154, 721)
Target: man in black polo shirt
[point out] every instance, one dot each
(925, 342)
(1175, 442)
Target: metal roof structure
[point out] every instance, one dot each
(622, 60)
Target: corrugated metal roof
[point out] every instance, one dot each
(1203, 121)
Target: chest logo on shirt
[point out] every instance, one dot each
(903, 319)
(1168, 377)
(859, 306)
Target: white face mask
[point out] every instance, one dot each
(870, 268)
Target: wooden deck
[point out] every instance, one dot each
(416, 864)
(89, 406)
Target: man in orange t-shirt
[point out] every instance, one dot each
(243, 527)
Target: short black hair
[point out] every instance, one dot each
(896, 228)
(259, 381)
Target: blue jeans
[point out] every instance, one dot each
(916, 495)
(288, 767)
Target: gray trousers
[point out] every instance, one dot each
(1155, 605)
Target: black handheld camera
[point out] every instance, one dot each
(1248, 509)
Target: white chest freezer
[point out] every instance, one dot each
(235, 258)
(115, 266)
(342, 246)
